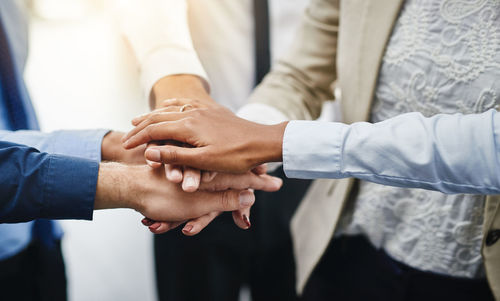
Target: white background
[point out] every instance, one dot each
(82, 75)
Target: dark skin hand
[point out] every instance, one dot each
(220, 140)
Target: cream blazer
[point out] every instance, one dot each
(343, 41)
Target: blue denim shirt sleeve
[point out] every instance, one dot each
(449, 153)
(77, 143)
(36, 185)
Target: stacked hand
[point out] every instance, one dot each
(135, 185)
(146, 190)
(193, 179)
(216, 141)
(221, 182)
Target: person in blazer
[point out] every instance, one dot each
(350, 41)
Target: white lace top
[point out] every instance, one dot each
(443, 57)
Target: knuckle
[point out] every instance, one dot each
(170, 102)
(189, 122)
(225, 200)
(171, 155)
(149, 131)
(155, 117)
(197, 113)
(150, 118)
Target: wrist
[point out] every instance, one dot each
(111, 148)
(110, 185)
(119, 186)
(179, 86)
(269, 143)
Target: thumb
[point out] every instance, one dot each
(151, 163)
(230, 200)
(171, 154)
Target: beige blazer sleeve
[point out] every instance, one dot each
(300, 81)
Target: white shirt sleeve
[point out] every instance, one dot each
(261, 113)
(449, 153)
(158, 32)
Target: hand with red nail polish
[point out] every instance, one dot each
(257, 179)
(147, 191)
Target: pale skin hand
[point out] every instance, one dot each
(257, 179)
(220, 140)
(147, 191)
(112, 150)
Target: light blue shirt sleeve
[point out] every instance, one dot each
(84, 144)
(449, 153)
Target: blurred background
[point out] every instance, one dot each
(81, 74)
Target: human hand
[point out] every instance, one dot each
(192, 90)
(112, 150)
(220, 140)
(257, 179)
(186, 86)
(190, 178)
(147, 191)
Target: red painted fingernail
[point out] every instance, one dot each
(147, 222)
(247, 220)
(187, 228)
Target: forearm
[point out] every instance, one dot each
(265, 145)
(449, 153)
(78, 143)
(39, 185)
(114, 187)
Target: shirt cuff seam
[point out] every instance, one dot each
(46, 187)
(341, 150)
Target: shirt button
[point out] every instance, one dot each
(492, 237)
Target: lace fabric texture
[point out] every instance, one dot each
(443, 57)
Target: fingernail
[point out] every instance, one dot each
(189, 182)
(154, 227)
(176, 174)
(153, 164)
(247, 221)
(187, 228)
(153, 154)
(147, 222)
(246, 198)
(278, 181)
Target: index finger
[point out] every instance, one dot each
(137, 120)
(152, 118)
(166, 130)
